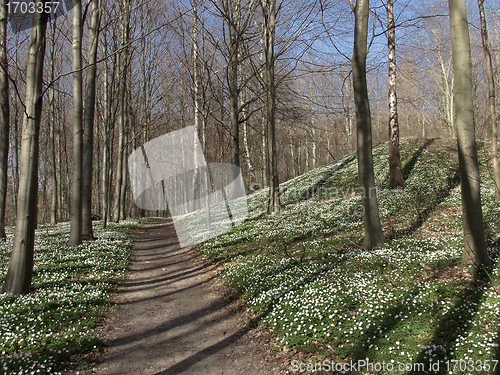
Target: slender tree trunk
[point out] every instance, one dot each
(124, 60)
(19, 275)
(373, 229)
(265, 153)
(123, 190)
(313, 125)
(491, 100)
(232, 22)
(88, 136)
(105, 151)
(292, 154)
(395, 173)
(474, 242)
(59, 168)
(75, 237)
(265, 160)
(15, 158)
(197, 110)
(4, 115)
(269, 12)
(251, 172)
(52, 131)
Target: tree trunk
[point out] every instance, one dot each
(269, 12)
(373, 229)
(197, 110)
(15, 158)
(395, 173)
(251, 172)
(88, 135)
(232, 19)
(123, 189)
(52, 131)
(125, 25)
(105, 152)
(75, 237)
(4, 115)
(472, 213)
(19, 275)
(491, 100)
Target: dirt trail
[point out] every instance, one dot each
(174, 318)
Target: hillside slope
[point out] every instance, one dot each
(304, 272)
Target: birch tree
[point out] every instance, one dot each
(395, 173)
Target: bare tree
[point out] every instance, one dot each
(395, 173)
(122, 119)
(19, 275)
(4, 114)
(474, 242)
(88, 147)
(269, 13)
(491, 99)
(52, 128)
(75, 237)
(373, 229)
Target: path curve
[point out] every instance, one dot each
(173, 319)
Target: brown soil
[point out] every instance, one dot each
(175, 317)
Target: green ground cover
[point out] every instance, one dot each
(304, 271)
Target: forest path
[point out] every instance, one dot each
(174, 317)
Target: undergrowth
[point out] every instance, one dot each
(408, 301)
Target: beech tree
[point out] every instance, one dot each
(472, 213)
(124, 61)
(75, 237)
(373, 229)
(19, 275)
(4, 114)
(88, 135)
(491, 99)
(269, 13)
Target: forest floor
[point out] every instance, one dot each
(173, 316)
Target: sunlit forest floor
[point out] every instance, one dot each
(303, 271)
(303, 274)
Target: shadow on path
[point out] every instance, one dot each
(174, 318)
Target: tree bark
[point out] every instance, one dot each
(75, 237)
(88, 135)
(491, 100)
(395, 173)
(474, 241)
(269, 12)
(52, 131)
(125, 25)
(373, 229)
(4, 115)
(19, 275)
(232, 20)
(105, 153)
